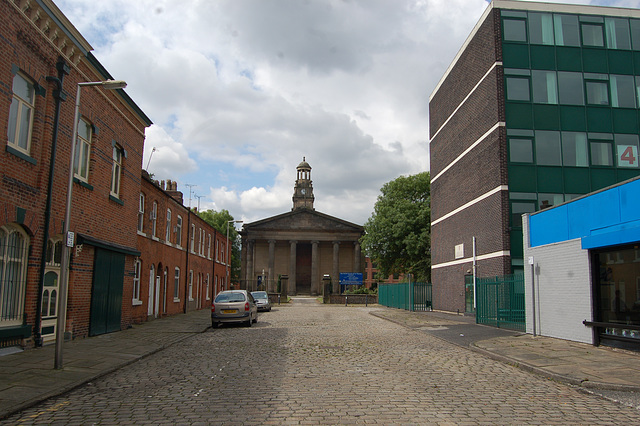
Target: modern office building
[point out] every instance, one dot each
(539, 106)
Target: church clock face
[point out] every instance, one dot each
(303, 191)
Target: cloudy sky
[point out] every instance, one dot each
(241, 90)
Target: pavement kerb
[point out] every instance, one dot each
(586, 384)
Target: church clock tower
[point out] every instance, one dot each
(303, 191)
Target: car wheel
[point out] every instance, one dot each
(214, 324)
(255, 319)
(248, 323)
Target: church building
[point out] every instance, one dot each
(302, 244)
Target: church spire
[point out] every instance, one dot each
(303, 190)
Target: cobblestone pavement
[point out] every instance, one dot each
(316, 364)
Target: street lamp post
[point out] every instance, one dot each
(229, 248)
(68, 236)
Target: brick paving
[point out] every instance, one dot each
(314, 364)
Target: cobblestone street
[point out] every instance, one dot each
(308, 363)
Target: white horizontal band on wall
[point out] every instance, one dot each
(493, 255)
(472, 202)
(466, 151)
(495, 64)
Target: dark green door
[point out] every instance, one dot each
(106, 296)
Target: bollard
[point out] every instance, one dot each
(278, 299)
(346, 300)
(366, 298)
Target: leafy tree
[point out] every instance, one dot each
(398, 233)
(219, 221)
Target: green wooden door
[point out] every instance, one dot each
(106, 296)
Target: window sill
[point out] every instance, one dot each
(116, 200)
(136, 302)
(176, 299)
(83, 183)
(21, 155)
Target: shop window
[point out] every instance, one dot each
(541, 28)
(617, 32)
(592, 34)
(548, 151)
(622, 91)
(520, 150)
(626, 151)
(514, 30)
(545, 89)
(518, 89)
(574, 149)
(566, 30)
(570, 88)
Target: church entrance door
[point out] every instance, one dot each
(303, 269)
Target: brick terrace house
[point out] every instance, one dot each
(540, 106)
(181, 264)
(371, 276)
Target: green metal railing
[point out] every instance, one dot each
(500, 301)
(407, 296)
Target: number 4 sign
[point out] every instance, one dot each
(627, 156)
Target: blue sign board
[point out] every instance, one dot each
(351, 278)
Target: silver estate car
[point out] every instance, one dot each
(262, 300)
(234, 306)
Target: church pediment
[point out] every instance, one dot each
(303, 220)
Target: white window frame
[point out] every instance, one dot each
(167, 233)
(208, 288)
(141, 213)
(116, 171)
(83, 151)
(137, 267)
(176, 285)
(179, 231)
(18, 107)
(191, 285)
(193, 238)
(154, 219)
(209, 248)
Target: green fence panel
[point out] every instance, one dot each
(500, 301)
(407, 296)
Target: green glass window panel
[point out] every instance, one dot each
(622, 91)
(620, 61)
(567, 32)
(573, 118)
(569, 59)
(520, 132)
(520, 150)
(599, 119)
(625, 121)
(543, 57)
(515, 55)
(601, 153)
(592, 34)
(545, 87)
(522, 178)
(517, 88)
(574, 149)
(546, 200)
(597, 92)
(514, 29)
(523, 196)
(546, 117)
(601, 178)
(548, 151)
(518, 208)
(617, 33)
(576, 181)
(569, 197)
(570, 88)
(519, 115)
(517, 246)
(549, 180)
(626, 151)
(541, 28)
(634, 25)
(595, 60)
(626, 174)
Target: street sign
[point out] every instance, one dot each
(351, 278)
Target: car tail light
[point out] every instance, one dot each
(213, 307)
(246, 306)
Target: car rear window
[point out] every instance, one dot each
(259, 295)
(230, 297)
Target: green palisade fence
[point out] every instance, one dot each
(500, 301)
(407, 296)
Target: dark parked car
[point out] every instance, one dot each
(262, 300)
(234, 306)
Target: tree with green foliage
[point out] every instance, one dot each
(398, 234)
(219, 221)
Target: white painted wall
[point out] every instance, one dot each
(561, 273)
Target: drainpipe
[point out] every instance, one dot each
(60, 96)
(186, 285)
(475, 267)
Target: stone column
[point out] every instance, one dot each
(250, 278)
(271, 281)
(335, 276)
(356, 257)
(314, 268)
(292, 267)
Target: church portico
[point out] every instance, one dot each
(303, 244)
